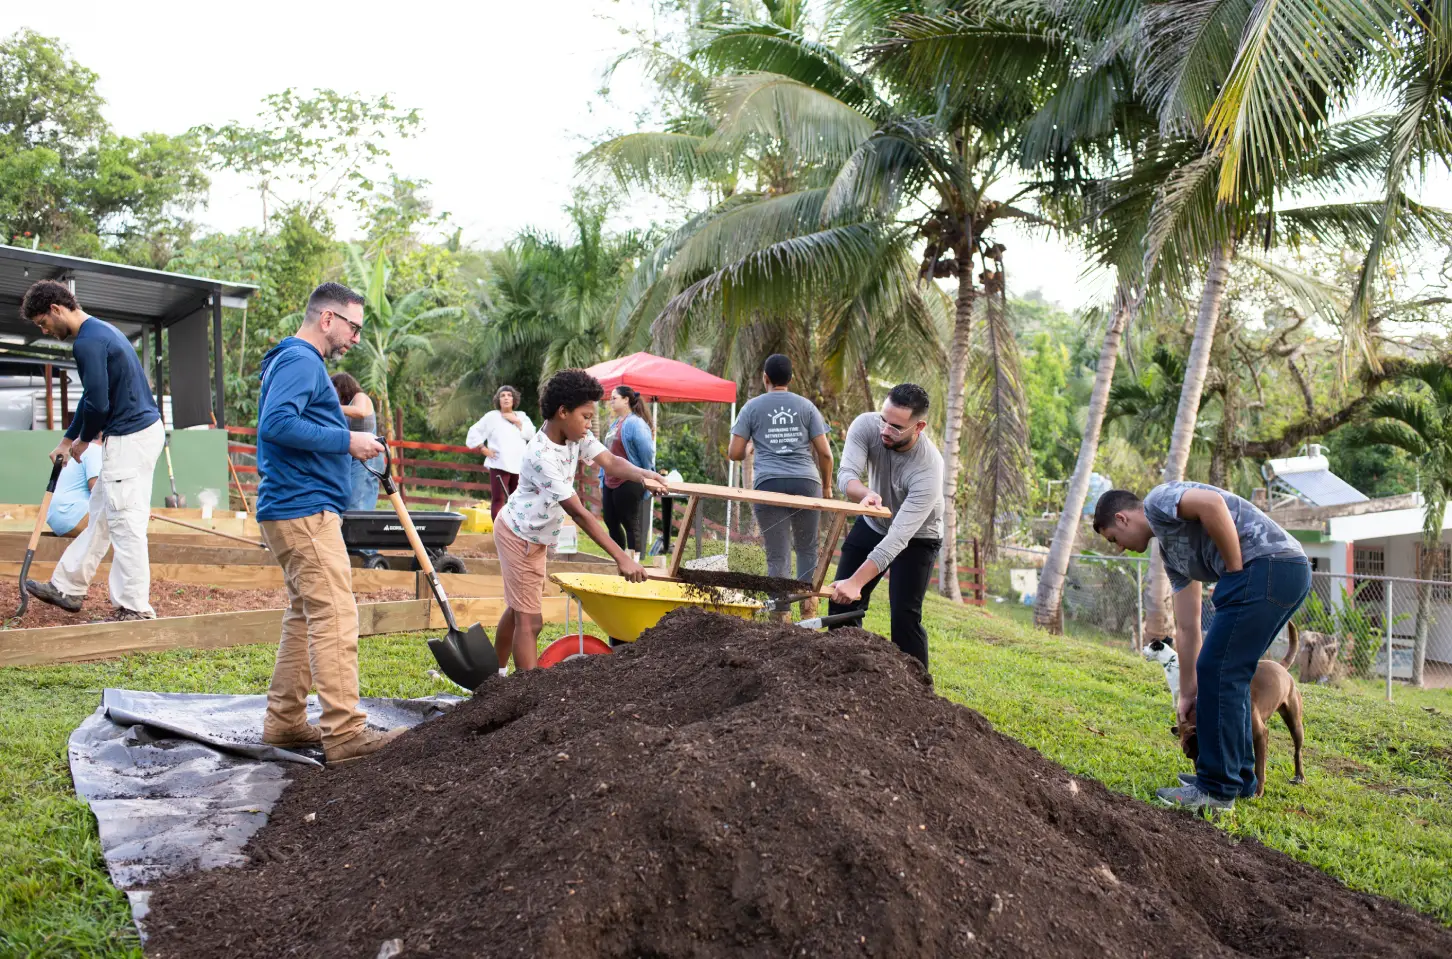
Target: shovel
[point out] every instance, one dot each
(55, 471)
(467, 658)
(175, 500)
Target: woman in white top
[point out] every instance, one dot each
(502, 435)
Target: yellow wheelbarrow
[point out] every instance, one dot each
(623, 610)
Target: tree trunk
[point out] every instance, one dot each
(1048, 605)
(1158, 616)
(1223, 457)
(953, 428)
(866, 384)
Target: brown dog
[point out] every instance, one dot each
(1271, 690)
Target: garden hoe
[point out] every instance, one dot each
(467, 658)
(55, 471)
(175, 500)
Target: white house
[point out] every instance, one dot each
(1349, 536)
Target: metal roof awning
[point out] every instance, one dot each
(137, 301)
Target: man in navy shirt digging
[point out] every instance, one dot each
(118, 403)
(303, 445)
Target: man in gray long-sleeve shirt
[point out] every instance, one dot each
(905, 474)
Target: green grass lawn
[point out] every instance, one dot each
(1376, 810)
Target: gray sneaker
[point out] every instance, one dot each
(1190, 797)
(124, 615)
(47, 593)
(1189, 779)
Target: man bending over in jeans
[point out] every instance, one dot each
(1209, 535)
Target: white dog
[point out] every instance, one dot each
(1162, 651)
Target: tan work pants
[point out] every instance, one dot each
(319, 629)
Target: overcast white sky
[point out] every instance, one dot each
(509, 94)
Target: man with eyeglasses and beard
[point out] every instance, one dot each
(303, 445)
(904, 473)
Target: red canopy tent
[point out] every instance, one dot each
(669, 381)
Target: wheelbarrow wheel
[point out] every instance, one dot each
(449, 563)
(568, 647)
(376, 562)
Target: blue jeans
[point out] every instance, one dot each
(363, 493)
(1251, 608)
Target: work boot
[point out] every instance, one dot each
(364, 744)
(47, 593)
(1193, 798)
(124, 615)
(294, 738)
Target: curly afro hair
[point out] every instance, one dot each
(568, 389)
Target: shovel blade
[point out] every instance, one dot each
(173, 502)
(452, 655)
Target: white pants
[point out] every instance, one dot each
(120, 511)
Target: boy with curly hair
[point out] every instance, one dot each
(530, 522)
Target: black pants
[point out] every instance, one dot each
(906, 587)
(622, 507)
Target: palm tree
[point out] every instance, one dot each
(548, 303)
(1421, 424)
(853, 171)
(1295, 61)
(771, 117)
(391, 331)
(1170, 212)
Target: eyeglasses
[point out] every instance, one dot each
(892, 430)
(357, 328)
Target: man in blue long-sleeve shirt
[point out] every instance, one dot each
(303, 445)
(118, 403)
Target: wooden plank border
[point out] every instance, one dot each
(94, 641)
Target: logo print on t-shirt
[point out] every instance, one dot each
(783, 417)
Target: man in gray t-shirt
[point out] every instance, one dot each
(904, 472)
(789, 436)
(1210, 535)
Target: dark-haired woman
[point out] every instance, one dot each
(629, 438)
(362, 418)
(502, 435)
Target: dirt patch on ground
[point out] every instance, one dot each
(168, 598)
(724, 788)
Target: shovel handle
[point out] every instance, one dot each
(55, 471)
(421, 554)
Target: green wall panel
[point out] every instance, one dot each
(198, 456)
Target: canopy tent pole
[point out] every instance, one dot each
(730, 482)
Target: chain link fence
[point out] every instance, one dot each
(1343, 623)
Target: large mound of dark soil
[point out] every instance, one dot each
(722, 788)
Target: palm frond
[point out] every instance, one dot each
(653, 158)
(1389, 425)
(752, 47)
(1295, 57)
(1186, 50)
(1421, 132)
(783, 275)
(816, 126)
(1313, 296)
(893, 164)
(1186, 223)
(1000, 47)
